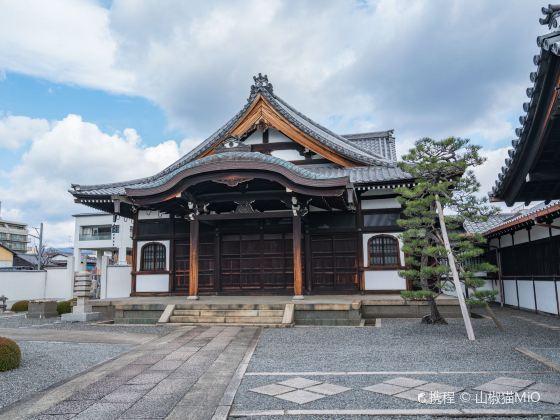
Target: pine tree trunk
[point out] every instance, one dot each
(434, 317)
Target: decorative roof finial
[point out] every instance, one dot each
(551, 14)
(261, 83)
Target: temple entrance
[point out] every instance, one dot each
(256, 262)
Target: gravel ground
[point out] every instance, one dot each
(20, 321)
(552, 354)
(46, 363)
(400, 345)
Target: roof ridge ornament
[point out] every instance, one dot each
(261, 83)
(552, 12)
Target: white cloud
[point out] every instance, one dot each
(16, 131)
(488, 172)
(74, 151)
(64, 41)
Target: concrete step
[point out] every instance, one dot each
(325, 322)
(254, 319)
(197, 319)
(230, 306)
(227, 312)
(226, 319)
(229, 324)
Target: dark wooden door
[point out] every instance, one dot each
(334, 262)
(256, 262)
(181, 266)
(206, 263)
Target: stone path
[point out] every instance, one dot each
(191, 373)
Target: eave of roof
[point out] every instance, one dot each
(549, 49)
(539, 212)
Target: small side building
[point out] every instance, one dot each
(103, 234)
(6, 257)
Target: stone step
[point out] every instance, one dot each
(227, 312)
(229, 324)
(254, 320)
(329, 322)
(230, 306)
(226, 319)
(196, 319)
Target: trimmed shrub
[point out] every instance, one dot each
(10, 354)
(64, 307)
(20, 306)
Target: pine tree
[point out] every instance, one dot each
(442, 170)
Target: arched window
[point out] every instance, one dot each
(153, 257)
(383, 252)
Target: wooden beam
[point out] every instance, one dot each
(261, 110)
(298, 278)
(193, 260)
(245, 216)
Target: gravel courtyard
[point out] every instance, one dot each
(341, 362)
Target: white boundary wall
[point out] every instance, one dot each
(52, 283)
(58, 282)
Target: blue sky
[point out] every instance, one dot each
(101, 91)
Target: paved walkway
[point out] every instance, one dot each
(190, 373)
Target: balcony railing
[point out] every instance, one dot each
(97, 237)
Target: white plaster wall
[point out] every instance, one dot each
(526, 296)
(59, 283)
(287, 154)
(546, 297)
(381, 203)
(6, 263)
(53, 283)
(152, 282)
(505, 241)
(540, 232)
(275, 136)
(510, 293)
(383, 279)
(254, 138)
(118, 283)
(139, 246)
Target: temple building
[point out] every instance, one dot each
(271, 203)
(526, 244)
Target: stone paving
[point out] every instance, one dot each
(183, 375)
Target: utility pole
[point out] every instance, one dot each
(40, 251)
(455, 274)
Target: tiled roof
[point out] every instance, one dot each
(119, 188)
(549, 46)
(481, 227)
(365, 174)
(330, 139)
(378, 142)
(509, 221)
(380, 159)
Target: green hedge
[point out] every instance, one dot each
(10, 354)
(20, 306)
(64, 307)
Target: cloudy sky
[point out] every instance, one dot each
(103, 91)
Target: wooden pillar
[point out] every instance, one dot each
(193, 260)
(298, 278)
(134, 254)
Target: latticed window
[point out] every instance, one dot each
(383, 252)
(153, 257)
